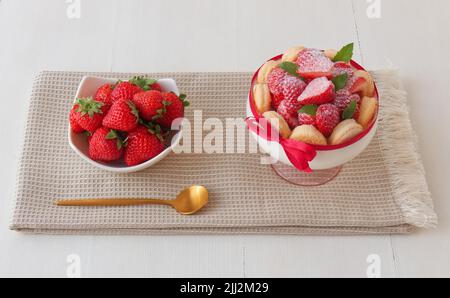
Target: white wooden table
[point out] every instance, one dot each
(225, 35)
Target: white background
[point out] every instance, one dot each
(226, 35)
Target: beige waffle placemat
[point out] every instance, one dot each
(382, 191)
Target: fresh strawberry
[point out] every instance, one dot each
(306, 119)
(143, 144)
(124, 91)
(313, 64)
(103, 94)
(318, 91)
(105, 145)
(327, 118)
(275, 81)
(76, 128)
(340, 68)
(344, 98)
(293, 88)
(289, 111)
(156, 86)
(276, 100)
(174, 108)
(90, 113)
(150, 104)
(283, 86)
(146, 84)
(307, 115)
(123, 116)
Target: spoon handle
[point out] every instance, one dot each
(112, 202)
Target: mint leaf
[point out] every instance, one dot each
(340, 81)
(309, 109)
(291, 68)
(345, 54)
(349, 112)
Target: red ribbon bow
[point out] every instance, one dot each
(298, 153)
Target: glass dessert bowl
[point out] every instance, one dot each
(312, 111)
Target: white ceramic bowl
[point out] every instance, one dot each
(78, 142)
(328, 158)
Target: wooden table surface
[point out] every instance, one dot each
(226, 35)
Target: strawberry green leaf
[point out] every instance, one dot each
(350, 111)
(166, 103)
(112, 135)
(183, 97)
(291, 68)
(143, 82)
(345, 54)
(186, 103)
(133, 110)
(88, 106)
(309, 109)
(340, 81)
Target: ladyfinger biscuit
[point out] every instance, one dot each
(265, 70)
(367, 111)
(291, 54)
(369, 88)
(308, 134)
(330, 53)
(345, 131)
(262, 98)
(278, 123)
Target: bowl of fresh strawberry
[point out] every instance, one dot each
(320, 108)
(126, 126)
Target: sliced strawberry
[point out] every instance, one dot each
(289, 111)
(319, 91)
(313, 64)
(327, 118)
(356, 84)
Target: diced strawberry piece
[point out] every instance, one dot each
(289, 111)
(319, 91)
(340, 68)
(356, 84)
(344, 98)
(313, 64)
(327, 118)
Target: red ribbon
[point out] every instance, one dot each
(298, 153)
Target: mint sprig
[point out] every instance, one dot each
(340, 81)
(291, 68)
(309, 110)
(350, 110)
(345, 54)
